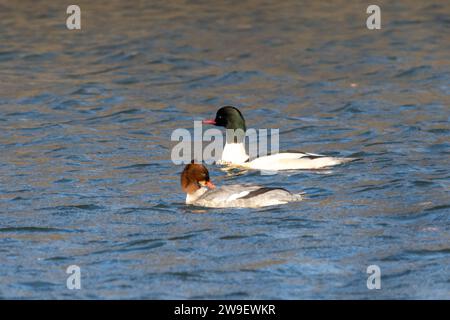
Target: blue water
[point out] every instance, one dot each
(86, 177)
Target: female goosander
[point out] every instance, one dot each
(202, 192)
(234, 151)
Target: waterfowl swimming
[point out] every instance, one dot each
(234, 151)
(200, 191)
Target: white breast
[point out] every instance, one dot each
(234, 153)
(191, 198)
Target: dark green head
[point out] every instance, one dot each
(228, 117)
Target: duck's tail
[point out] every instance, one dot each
(346, 160)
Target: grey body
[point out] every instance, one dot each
(244, 196)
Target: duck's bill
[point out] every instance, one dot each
(213, 122)
(210, 185)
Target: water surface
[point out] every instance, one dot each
(86, 176)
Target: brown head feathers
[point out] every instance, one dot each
(195, 176)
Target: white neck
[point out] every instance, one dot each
(192, 197)
(234, 153)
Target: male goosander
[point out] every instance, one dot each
(234, 151)
(202, 192)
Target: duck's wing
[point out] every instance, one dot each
(230, 192)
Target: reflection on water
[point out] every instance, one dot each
(85, 170)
